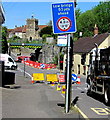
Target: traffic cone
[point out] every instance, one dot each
(78, 80)
(63, 89)
(32, 81)
(58, 87)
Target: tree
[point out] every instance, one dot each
(46, 30)
(99, 15)
(86, 22)
(4, 40)
(102, 13)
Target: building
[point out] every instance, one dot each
(82, 48)
(30, 31)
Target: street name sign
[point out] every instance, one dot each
(63, 18)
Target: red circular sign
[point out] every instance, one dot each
(64, 23)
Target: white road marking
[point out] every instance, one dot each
(79, 88)
(25, 72)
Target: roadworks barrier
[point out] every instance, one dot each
(58, 87)
(39, 65)
(63, 89)
(38, 77)
(52, 78)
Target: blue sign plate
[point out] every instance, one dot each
(74, 77)
(63, 18)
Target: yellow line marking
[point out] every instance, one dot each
(100, 111)
(84, 116)
(108, 110)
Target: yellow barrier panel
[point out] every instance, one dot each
(38, 76)
(52, 78)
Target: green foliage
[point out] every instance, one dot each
(15, 39)
(4, 40)
(99, 15)
(102, 13)
(46, 30)
(55, 60)
(78, 13)
(46, 35)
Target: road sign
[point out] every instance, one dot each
(42, 66)
(62, 40)
(74, 77)
(61, 77)
(63, 18)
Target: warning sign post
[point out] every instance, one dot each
(64, 22)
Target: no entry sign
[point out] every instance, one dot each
(63, 18)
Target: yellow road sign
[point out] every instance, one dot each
(38, 76)
(52, 78)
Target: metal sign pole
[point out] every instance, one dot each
(67, 95)
(24, 67)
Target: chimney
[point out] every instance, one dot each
(95, 30)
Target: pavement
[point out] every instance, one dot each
(38, 100)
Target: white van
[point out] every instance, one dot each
(9, 63)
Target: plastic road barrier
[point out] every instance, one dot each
(51, 78)
(38, 76)
(78, 80)
(53, 84)
(63, 89)
(58, 87)
(61, 77)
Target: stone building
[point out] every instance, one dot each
(31, 29)
(29, 32)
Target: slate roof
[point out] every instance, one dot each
(86, 44)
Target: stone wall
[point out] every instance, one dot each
(48, 53)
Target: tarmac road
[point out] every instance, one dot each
(33, 100)
(49, 102)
